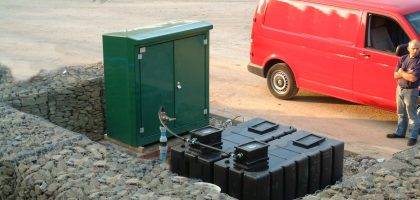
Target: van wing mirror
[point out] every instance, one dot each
(401, 50)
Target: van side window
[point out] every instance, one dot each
(384, 33)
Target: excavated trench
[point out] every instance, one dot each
(50, 125)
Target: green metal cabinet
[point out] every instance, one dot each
(165, 65)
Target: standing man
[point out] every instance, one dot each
(407, 75)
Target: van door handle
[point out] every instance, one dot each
(384, 65)
(364, 55)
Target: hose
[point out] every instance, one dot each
(169, 130)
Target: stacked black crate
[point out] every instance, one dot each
(197, 164)
(278, 181)
(199, 159)
(178, 163)
(250, 166)
(299, 163)
(325, 157)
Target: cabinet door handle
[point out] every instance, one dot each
(178, 85)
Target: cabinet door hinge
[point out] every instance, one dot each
(141, 130)
(141, 51)
(205, 42)
(205, 111)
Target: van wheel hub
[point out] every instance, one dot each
(280, 82)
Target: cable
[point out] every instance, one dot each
(213, 148)
(194, 141)
(190, 141)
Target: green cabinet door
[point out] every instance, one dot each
(190, 84)
(157, 88)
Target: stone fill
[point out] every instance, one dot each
(71, 97)
(23, 135)
(40, 160)
(5, 75)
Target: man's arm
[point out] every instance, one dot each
(409, 76)
(397, 74)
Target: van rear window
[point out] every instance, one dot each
(313, 19)
(414, 20)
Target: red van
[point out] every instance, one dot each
(343, 48)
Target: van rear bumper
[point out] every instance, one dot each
(256, 69)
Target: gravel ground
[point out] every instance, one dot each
(355, 163)
(61, 33)
(397, 178)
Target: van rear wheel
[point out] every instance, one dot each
(281, 81)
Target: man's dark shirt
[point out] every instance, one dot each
(409, 64)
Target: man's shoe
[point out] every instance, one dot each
(411, 142)
(393, 135)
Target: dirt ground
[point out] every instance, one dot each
(48, 34)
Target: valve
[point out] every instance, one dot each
(164, 117)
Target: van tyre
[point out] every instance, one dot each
(281, 81)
